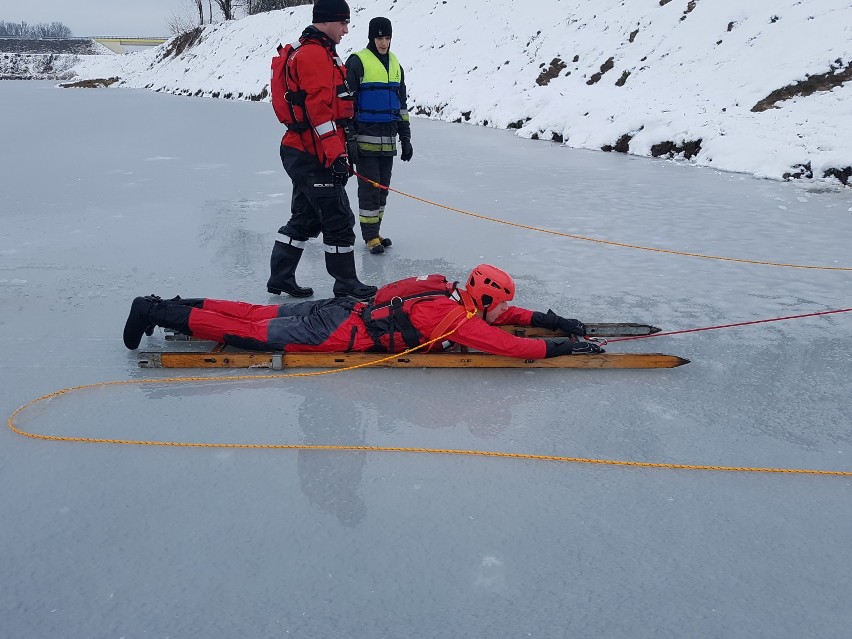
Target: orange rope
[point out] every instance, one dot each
(392, 449)
(599, 241)
(389, 449)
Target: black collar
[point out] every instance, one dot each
(312, 33)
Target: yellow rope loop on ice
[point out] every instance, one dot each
(600, 241)
(373, 449)
(434, 451)
(173, 380)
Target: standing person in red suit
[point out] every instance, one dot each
(403, 314)
(313, 151)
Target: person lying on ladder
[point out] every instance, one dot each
(403, 314)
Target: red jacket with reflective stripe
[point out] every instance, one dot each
(313, 68)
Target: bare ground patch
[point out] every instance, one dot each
(622, 144)
(555, 68)
(94, 83)
(689, 149)
(805, 172)
(181, 43)
(606, 66)
(827, 81)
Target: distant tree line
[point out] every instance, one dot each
(34, 31)
(261, 6)
(252, 7)
(200, 12)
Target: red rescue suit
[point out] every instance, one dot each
(320, 74)
(335, 325)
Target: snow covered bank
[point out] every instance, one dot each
(45, 58)
(762, 87)
(19, 66)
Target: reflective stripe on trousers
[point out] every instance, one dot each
(286, 239)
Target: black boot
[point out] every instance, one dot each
(341, 266)
(147, 312)
(137, 321)
(375, 246)
(285, 258)
(195, 302)
(149, 330)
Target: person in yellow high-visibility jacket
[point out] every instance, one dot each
(377, 81)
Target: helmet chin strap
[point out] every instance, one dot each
(467, 301)
(494, 312)
(489, 314)
(466, 307)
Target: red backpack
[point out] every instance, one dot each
(285, 101)
(387, 316)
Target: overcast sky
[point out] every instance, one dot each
(99, 17)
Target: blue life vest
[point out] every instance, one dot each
(378, 95)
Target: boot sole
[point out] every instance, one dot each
(360, 298)
(303, 293)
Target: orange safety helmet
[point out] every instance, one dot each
(489, 286)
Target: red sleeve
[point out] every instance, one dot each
(318, 77)
(514, 315)
(475, 333)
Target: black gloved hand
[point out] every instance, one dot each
(554, 322)
(340, 170)
(585, 347)
(572, 326)
(565, 347)
(407, 149)
(352, 150)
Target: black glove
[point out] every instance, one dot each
(407, 149)
(352, 150)
(554, 322)
(565, 347)
(340, 170)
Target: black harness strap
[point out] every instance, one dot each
(397, 321)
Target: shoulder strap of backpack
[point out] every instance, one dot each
(465, 307)
(399, 301)
(397, 320)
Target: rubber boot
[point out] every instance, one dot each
(137, 321)
(375, 246)
(147, 312)
(341, 266)
(285, 258)
(149, 330)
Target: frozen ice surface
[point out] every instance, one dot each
(110, 194)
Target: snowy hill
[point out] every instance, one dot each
(762, 87)
(45, 58)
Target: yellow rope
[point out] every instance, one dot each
(389, 449)
(375, 449)
(609, 242)
(398, 449)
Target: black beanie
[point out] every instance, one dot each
(331, 11)
(379, 27)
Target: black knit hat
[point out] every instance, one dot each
(380, 27)
(331, 11)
